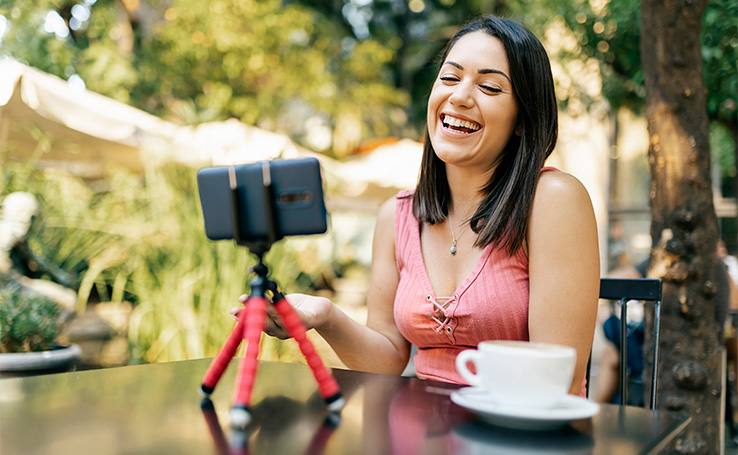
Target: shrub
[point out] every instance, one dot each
(28, 323)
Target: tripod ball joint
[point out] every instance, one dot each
(332, 420)
(335, 402)
(240, 416)
(260, 269)
(205, 391)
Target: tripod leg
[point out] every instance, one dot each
(326, 382)
(216, 431)
(324, 433)
(240, 414)
(219, 365)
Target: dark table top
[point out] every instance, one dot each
(156, 409)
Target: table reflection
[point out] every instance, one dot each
(476, 437)
(263, 431)
(421, 416)
(156, 409)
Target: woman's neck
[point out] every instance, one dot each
(465, 192)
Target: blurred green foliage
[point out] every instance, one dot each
(611, 34)
(360, 69)
(191, 61)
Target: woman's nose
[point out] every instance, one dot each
(462, 95)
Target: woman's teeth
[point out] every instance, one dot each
(456, 124)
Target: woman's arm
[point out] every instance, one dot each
(377, 347)
(564, 267)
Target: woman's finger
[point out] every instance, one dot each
(235, 312)
(274, 315)
(274, 328)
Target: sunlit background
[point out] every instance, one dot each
(108, 108)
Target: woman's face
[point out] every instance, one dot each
(471, 109)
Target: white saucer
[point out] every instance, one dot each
(569, 409)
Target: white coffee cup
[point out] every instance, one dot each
(520, 373)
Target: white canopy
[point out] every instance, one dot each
(83, 131)
(44, 119)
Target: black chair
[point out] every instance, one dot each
(625, 290)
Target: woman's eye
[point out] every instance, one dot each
(490, 89)
(449, 79)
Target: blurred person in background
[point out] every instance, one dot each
(607, 389)
(730, 261)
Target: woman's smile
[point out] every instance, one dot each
(459, 124)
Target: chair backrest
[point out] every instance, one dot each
(625, 290)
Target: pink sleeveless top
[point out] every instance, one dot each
(491, 303)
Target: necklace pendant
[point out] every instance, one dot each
(453, 248)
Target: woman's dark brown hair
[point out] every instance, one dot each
(502, 216)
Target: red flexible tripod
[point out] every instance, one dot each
(252, 320)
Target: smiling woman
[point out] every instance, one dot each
(523, 262)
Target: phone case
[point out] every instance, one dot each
(297, 189)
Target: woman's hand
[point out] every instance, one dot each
(313, 311)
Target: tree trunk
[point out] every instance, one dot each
(684, 224)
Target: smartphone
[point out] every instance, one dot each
(290, 189)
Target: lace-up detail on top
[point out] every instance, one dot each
(438, 311)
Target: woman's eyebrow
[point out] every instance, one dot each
(481, 71)
(491, 71)
(457, 65)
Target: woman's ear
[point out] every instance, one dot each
(519, 130)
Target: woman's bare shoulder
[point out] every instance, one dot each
(560, 188)
(387, 210)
